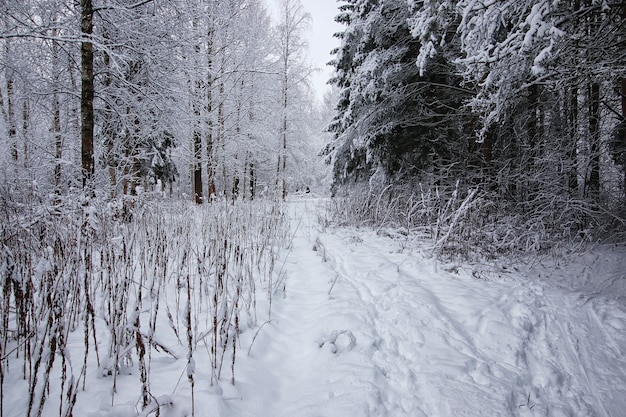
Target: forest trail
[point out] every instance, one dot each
(367, 328)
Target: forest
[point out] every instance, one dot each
(151, 152)
(522, 102)
(516, 108)
(185, 98)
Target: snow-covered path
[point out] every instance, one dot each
(366, 328)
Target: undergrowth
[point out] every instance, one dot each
(115, 283)
(467, 223)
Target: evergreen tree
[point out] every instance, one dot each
(542, 117)
(394, 119)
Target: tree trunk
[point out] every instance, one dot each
(56, 121)
(210, 151)
(623, 130)
(211, 189)
(287, 17)
(593, 180)
(534, 140)
(252, 183)
(282, 153)
(197, 165)
(572, 128)
(236, 167)
(126, 167)
(25, 130)
(11, 117)
(486, 148)
(10, 109)
(622, 136)
(58, 142)
(624, 78)
(624, 102)
(87, 93)
(221, 130)
(235, 192)
(197, 136)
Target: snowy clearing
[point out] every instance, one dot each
(365, 325)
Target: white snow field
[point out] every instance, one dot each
(368, 325)
(369, 329)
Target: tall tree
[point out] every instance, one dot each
(148, 79)
(87, 93)
(394, 121)
(197, 133)
(519, 56)
(232, 75)
(56, 109)
(293, 72)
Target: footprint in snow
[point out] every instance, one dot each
(480, 372)
(338, 341)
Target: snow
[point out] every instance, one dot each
(367, 325)
(377, 330)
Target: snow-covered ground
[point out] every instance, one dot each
(366, 325)
(367, 328)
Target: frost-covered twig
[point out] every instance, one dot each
(461, 211)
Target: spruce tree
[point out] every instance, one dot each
(394, 120)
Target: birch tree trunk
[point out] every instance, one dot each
(210, 151)
(282, 170)
(293, 22)
(197, 135)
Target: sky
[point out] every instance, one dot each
(320, 38)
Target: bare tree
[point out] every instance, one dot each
(293, 72)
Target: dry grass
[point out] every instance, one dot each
(171, 271)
